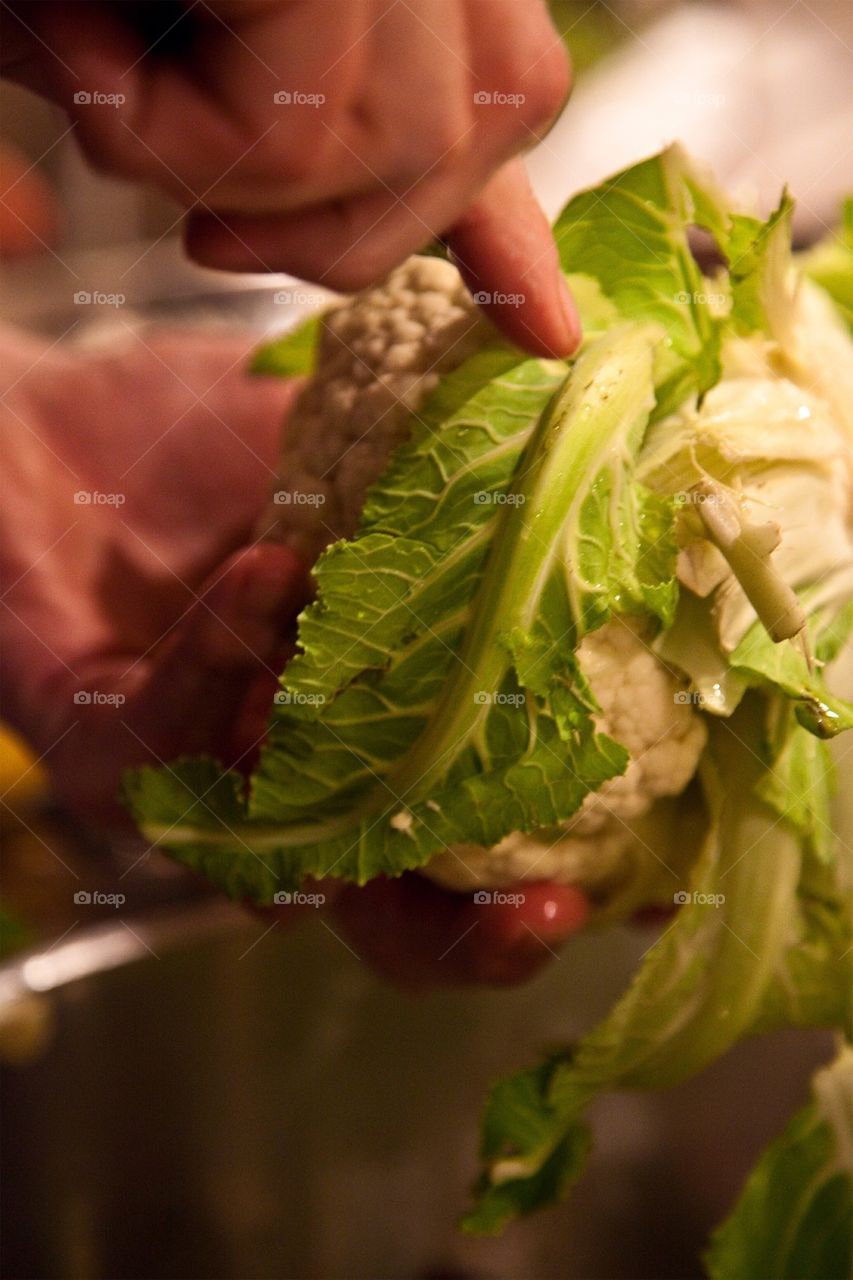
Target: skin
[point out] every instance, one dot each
(161, 600)
(160, 606)
(29, 217)
(400, 149)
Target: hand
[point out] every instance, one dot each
(29, 216)
(138, 623)
(326, 139)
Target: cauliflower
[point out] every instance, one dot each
(644, 707)
(379, 356)
(585, 627)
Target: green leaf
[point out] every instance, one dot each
(631, 235)
(293, 354)
(759, 255)
(786, 668)
(524, 1136)
(813, 984)
(830, 264)
(703, 984)
(496, 539)
(794, 1220)
(799, 784)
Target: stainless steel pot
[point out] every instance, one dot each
(216, 1101)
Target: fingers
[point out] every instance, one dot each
(236, 633)
(29, 214)
(419, 935)
(502, 245)
(392, 119)
(507, 256)
(188, 696)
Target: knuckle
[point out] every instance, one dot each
(546, 88)
(444, 145)
(295, 156)
(357, 270)
(406, 157)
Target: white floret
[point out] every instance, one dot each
(379, 356)
(643, 707)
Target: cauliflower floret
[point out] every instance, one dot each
(643, 707)
(380, 354)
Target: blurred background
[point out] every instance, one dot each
(189, 1094)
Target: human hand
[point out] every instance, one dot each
(154, 608)
(29, 216)
(137, 621)
(402, 123)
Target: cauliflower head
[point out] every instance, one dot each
(379, 356)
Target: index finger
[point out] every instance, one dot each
(506, 254)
